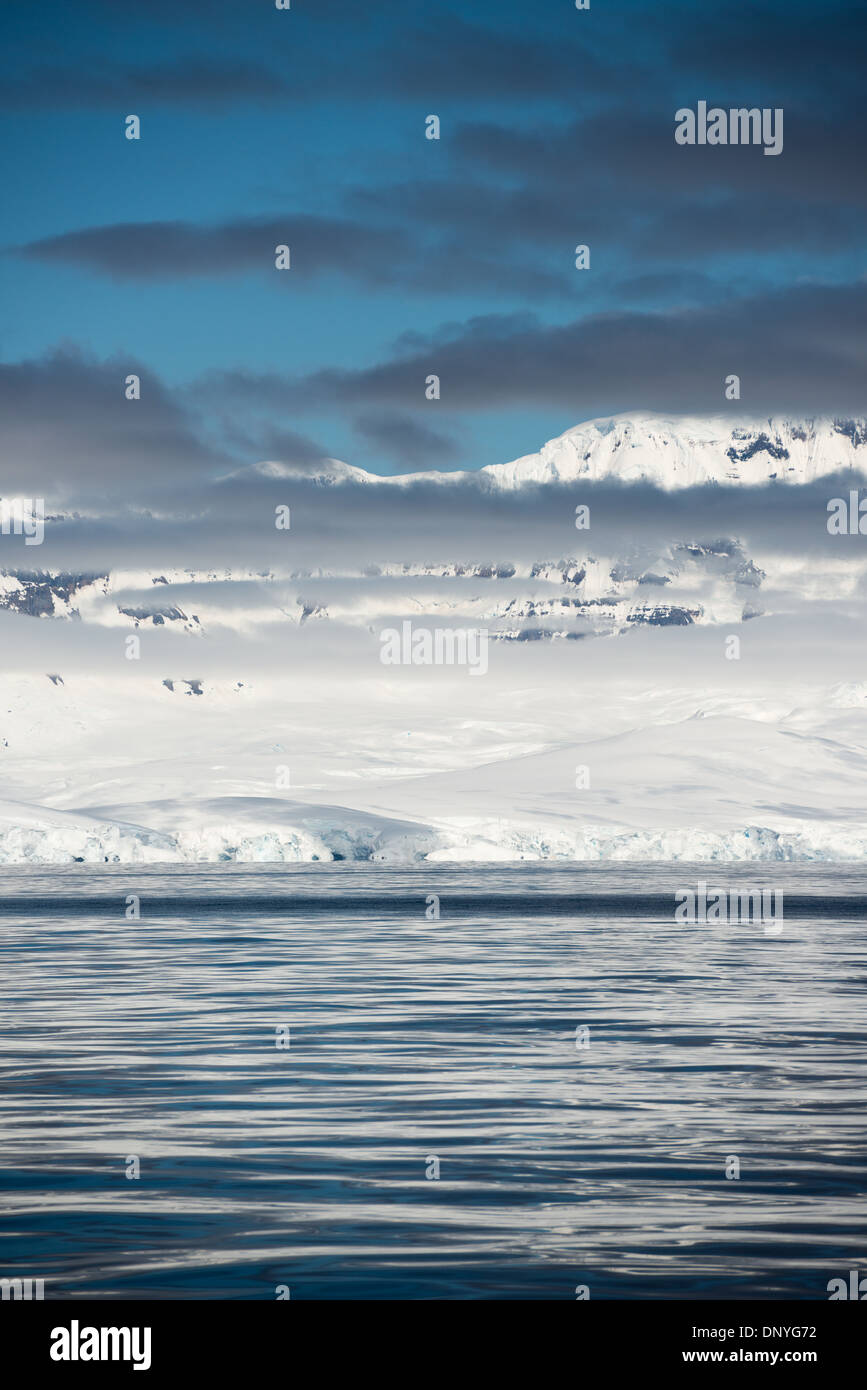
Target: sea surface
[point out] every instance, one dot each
(538, 1091)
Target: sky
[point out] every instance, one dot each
(411, 256)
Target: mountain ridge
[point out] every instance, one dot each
(665, 450)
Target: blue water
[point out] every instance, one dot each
(412, 1039)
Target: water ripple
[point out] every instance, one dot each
(412, 1039)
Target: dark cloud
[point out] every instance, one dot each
(802, 350)
(673, 286)
(450, 56)
(370, 255)
(617, 182)
(351, 527)
(480, 217)
(528, 234)
(407, 441)
(520, 199)
(426, 57)
(150, 250)
(263, 440)
(186, 82)
(68, 431)
(633, 147)
(718, 228)
(781, 43)
(437, 54)
(286, 446)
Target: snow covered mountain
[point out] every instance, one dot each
(257, 722)
(666, 451)
(588, 585)
(524, 601)
(684, 452)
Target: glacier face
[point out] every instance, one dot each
(101, 769)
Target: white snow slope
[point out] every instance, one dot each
(382, 771)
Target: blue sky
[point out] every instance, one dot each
(409, 255)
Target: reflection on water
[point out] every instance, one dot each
(413, 1038)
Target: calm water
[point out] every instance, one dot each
(412, 1039)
